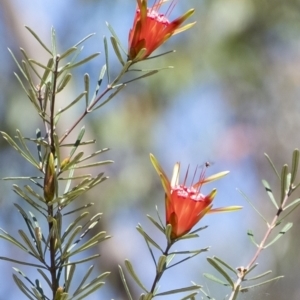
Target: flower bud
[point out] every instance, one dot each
(49, 181)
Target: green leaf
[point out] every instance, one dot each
(86, 80)
(68, 52)
(113, 33)
(18, 65)
(224, 264)
(161, 264)
(248, 200)
(245, 289)
(134, 276)
(147, 237)
(38, 39)
(93, 154)
(142, 76)
(295, 165)
(24, 289)
(71, 104)
(181, 290)
(69, 273)
(112, 95)
(272, 165)
(124, 283)
(53, 42)
(221, 271)
(63, 82)
(284, 186)
(156, 224)
(116, 49)
(269, 192)
(251, 236)
(18, 149)
(78, 141)
(193, 252)
(287, 227)
(83, 40)
(81, 62)
(215, 279)
(259, 276)
(31, 66)
(292, 204)
(106, 57)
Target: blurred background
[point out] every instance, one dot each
(232, 96)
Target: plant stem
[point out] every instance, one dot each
(159, 274)
(241, 276)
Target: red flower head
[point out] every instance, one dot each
(151, 28)
(185, 206)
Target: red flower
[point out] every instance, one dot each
(151, 28)
(185, 206)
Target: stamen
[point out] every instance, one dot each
(186, 175)
(171, 7)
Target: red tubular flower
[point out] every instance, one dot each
(185, 206)
(151, 28)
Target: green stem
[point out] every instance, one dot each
(241, 276)
(159, 274)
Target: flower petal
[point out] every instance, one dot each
(225, 209)
(163, 177)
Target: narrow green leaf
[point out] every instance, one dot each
(30, 64)
(272, 165)
(124, 283)
(24, 289)
(113, 33)
(112, 95)
(295, 165)
(45, 277)
(84, 39)
(190, 296)
(161, 264)
(22, 262)
(287, 227)
(78, 141)
(284, 187)
(168, 233)
(18, 65)
(245, 289)
(39, 64)
(38, 39)
(81, 62)
(181, 290)
(147, 237)
(257, 211)
(69, 273)
(142, 76)
(68, 52)
(93, 154)
(18, 149)
(63, 82)
(156, 224)
(269, 192)
(99, 163)
(221, 271)
(117, 51)
(224, 264)
(86, 80)
(26, 150)
(292, 204)
(53, 42)
(195, 252)
(134, 276)
(106, 58)
(71, 104)
(251, 236)
(215, 279)
(259, 276)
